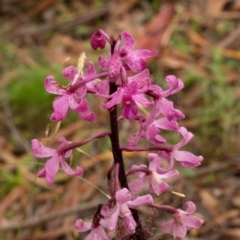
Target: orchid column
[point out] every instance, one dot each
(125, 81)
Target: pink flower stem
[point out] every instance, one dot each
(118, 157)
(70, 146)
(151, 148)
(75, 86)
(165, 208)
(142, 169)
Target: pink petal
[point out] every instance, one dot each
(116, 99)
(104, 62)
(42, 173)
(123, 196)
(175, 114)
(165, 124)
(39, 150)
(133, 141)
(91, 72)
(66, 168)
(131, 89)
(170, 174)
(114, 68)
(174, 85)
(137, 184)
(166, 108)
(128, 42)
(158, 186)
(84, 111)
(98, 234)
(152, 156)
(82, 226)
(152, 135)
(143, 53)
(69, 73)
(139, 77)
(80, 93)
(51, 166)
(114, 219)
(179, 230)
(192, 221)
(130, 223)
(143, 200)
(102, 88)
(190, 207)
(138, 169)
(134, 63)
(187, 159)
(129, 108)
(157, 159)
(105, 211)
(187, 136)
(53, 86)
(60, 108)
(154, 161)
(142, 100)
(161, 156)
(156, 90)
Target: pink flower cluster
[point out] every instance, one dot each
(125, 82)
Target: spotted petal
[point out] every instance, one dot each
(52, 86)
(128, 42)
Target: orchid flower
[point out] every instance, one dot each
(123, 203)
(122, 55)
(185, 158)
(97, 232)
(67, 97)
(162, 105)
(151, 132)
(130, 94)
(149, 174)
(181, 222)
(57, 158)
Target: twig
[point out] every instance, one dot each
(9, 122)
(231, 38)
(62, 26)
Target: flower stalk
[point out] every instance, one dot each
(118, 159)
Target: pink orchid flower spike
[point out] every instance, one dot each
(57, 158)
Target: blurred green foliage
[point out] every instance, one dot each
(9, 180)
